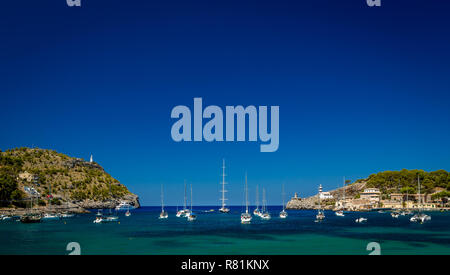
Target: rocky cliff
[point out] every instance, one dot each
(55, 179)
(350, 191)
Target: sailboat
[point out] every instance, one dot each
(66, 214)
(184, 212)
(340, 213)
(320, 215)
(265, 215)
(110, 217)
(223, 209)
(128, 213)
(191, 215)
(246, 217)
(163, 214)
(420, 217)
(283, 214)
(31, 217)
(50, 216)
(257, 212)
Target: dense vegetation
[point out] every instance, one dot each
(48, 172)
(406, 181)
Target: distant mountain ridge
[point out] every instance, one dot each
(51, 176)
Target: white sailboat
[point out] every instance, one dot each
(420, 217)
(320, 215)
(163, 214)
(183, 212)
(257, 212)
(50, 216)
(223, 209)
(191, 215)
(283, 214)
(246, 217)
(340, 213)
(265, 214)
(110, 217)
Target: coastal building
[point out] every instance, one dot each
(371, 194)
(360, 204)
(393, 204)
(325, 196)
(296, 197)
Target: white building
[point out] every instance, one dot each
(325, 195)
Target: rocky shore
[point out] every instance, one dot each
(312, 202)
(57, 183)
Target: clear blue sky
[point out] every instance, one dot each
(360, 89)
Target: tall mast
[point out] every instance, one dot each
(264, 200)
(246, 194)
(162, 198)
(343, 189)
(223, 184)
(185, 194)
(320, 191)
(418, 183)
(257, 197)
(191, 197)
(282, 194)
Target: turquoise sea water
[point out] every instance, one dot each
(216, 233)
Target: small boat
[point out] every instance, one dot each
(49, 217)
(395, 215)
(360, 220)
(31, 218)
(421, 218)
(339, 213)
(99, 213)
(283, 213)
(110, 219)
(320, 216)
(123, 205)
(163, 214)
(5, 218)
(66, 215)
(98, 219)
(128, 213)
(191, 217)
(246, 217)
(223, 209)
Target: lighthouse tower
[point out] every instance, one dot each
(91, 160)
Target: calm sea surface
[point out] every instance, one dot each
(216, 233)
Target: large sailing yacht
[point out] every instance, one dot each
(257, 212)
(420, 217)
(265, 214)
(191, 215)
(184, 212)
(163, 214)
(283, 214)
(246, 217)
(340, 212)
(223, 209)
(320, 215)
